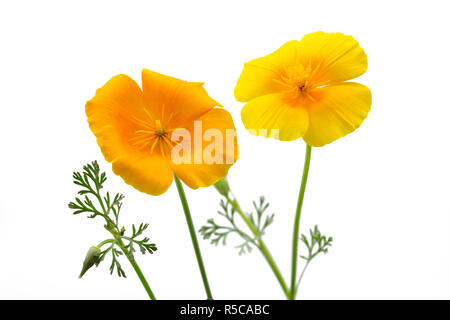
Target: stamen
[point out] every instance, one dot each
(162, 150)
(152, 133)
(283, 83)
(170, 118)
(149, 114)
(309, 96)
(305, 85)
(146, 131)
(159, 129)
(315, 69)
(169, 142)
(154, 145)
(141, 142)
(143, 123)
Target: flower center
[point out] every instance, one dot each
(298, 76)
(153, 134)
(159, 129)
(298, 80)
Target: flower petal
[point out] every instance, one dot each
(258, 76)
(276, 115)
(149, 174)
(112, 115)
(339, 109)
(335, 57)
(209, 160)
(181, 101)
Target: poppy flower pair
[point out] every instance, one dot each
(300, 90)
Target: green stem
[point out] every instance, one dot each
(122, 247)
(136, 268)
(293, 289)
(190, 224)
(301, 275)
(105, 242)
(262, 246)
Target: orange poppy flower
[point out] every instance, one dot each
(300, 90)
(137, 131)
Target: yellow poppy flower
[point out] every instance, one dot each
(134, 129)
(299, 90)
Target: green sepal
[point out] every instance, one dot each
(92, 257)
(223, 187)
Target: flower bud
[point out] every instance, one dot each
(223, 187)
(91, 259)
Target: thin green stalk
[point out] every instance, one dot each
(301, 275)
(262, 246)
(101, 244)
(190, 224)
(293, 289)
(92, 176)
(124, 250)
(136, 268)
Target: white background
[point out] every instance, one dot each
(381, 192)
